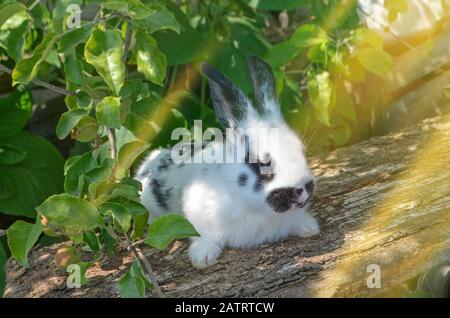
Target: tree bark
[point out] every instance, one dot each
(385, 201)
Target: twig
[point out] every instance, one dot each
(127, 42)
(148, 271)
(35, 3)
(137, 253)
(132, 246)
(112, 143)
(51, 87)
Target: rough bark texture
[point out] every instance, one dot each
(385, 201)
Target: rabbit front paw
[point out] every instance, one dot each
(306, 226)
(203, 253)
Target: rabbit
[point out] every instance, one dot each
(261, 198)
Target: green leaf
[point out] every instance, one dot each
(159, 19)
(167, 228)
(10, 155)
(9, 9)
(374, 60)
(100, 174)
(150, 61)
(108, 112)
(120, 214)
(27, 69)
(75, 168)
(319, 90)
(21, 238)
(140, 127)
(71, 39)
(104, 51)
(133, 283)
(15, 109)
(91, 239)
(133, 182)
(179, 48)
(318, 54)
(70, 212)
(35, 178)
(277, 5)
(73, 69)
(3, 260)
(109, 242)
(137, 10)
(40, 15)
(281, 53)
(16, 41)
(68, 121)
(86, 129)
(130, 151)
(7, 188)
(139, 215)
(133, 89)
(308, 35)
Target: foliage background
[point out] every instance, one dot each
(130, 71)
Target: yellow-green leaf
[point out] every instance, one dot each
(108, 112)
(70, 212)
(21, 238)
(167, 228)
(374, 60)
(150, 60)
(104, 51)
(27, 69)
(68, 121)
(8, 9)
(370, 37)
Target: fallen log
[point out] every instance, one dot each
(383, 205)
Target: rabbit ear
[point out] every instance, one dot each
(263, 83)
(230, 103)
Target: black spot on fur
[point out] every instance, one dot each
(161, 195)
(282, 199)
(262, 170)
(242, 179)
(165, 163)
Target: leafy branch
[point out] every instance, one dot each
(51, 87)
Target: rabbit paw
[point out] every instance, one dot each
(306, 226)
(203, 253)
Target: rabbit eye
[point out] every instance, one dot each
(310, 186)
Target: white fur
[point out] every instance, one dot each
(223, 212)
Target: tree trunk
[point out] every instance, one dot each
(384, 202)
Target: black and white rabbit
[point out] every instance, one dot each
(261, 198)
